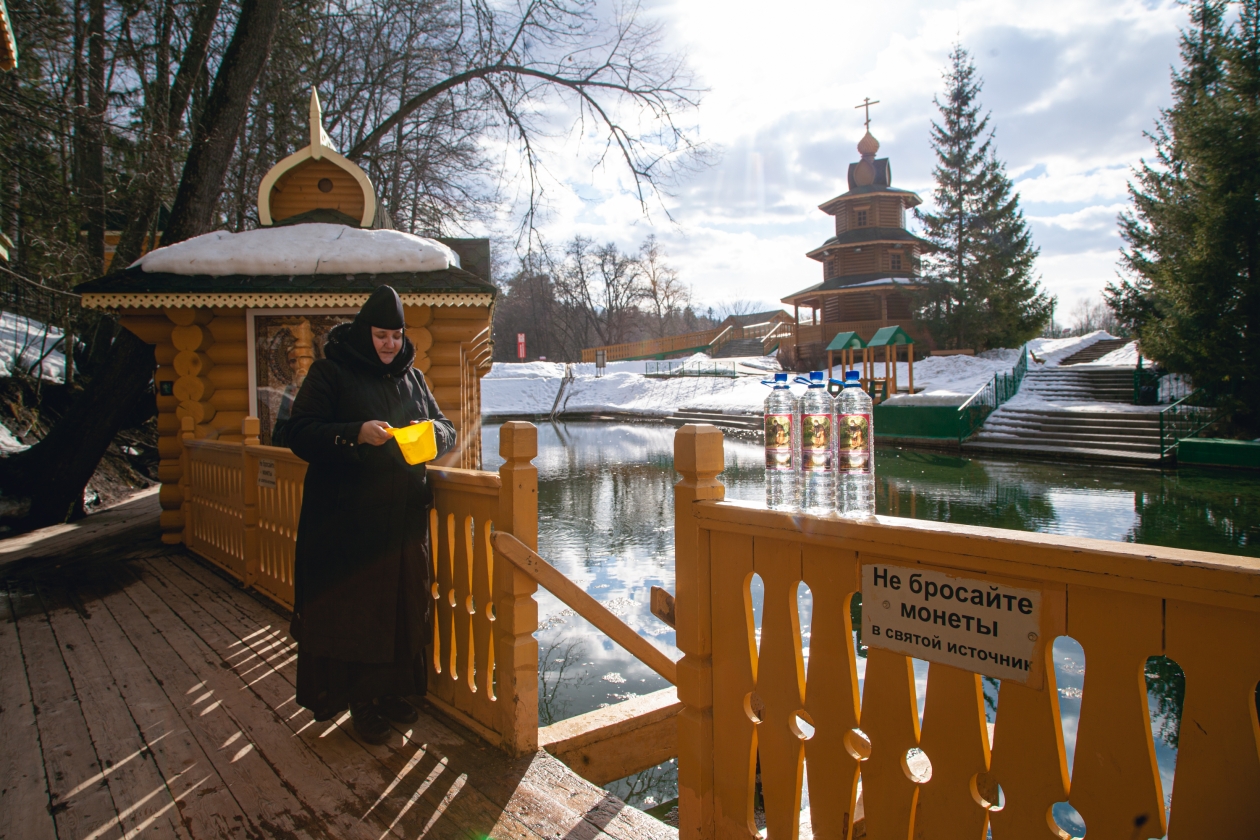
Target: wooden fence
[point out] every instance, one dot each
(748, 696)
(242, 502)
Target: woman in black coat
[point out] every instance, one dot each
(361, 596)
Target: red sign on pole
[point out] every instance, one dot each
(520, 346)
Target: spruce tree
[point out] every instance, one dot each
(1191, 292)
(980, 290)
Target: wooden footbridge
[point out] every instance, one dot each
(149, 691)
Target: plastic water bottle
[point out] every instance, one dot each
(817, 473)
(855, 450)
(781, 424)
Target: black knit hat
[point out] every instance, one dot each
(383, 310)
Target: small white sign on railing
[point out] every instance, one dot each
(266, 473)
(975, 624)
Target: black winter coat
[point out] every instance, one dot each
(363, 531)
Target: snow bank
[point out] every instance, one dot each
(300, 249)
(24, 342)
(531, 388)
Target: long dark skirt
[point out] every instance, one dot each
(328, 686)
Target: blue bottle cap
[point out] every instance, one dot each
(853, 379)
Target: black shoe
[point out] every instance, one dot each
(396, 709)
(369, 723)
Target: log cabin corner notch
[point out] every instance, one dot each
(236, 319)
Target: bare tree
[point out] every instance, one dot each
(448, 104)
(602, 286)
(737, 308)
(54, 473)
(1092, 314)
(664, 292)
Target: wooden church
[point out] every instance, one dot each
(870, 266)
(237, 319)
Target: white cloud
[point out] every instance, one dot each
(1071, 85)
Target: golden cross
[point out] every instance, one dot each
(867, 103)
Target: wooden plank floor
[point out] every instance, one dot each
(144, 695)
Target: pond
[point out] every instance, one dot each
(605, 505)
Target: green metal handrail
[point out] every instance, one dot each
(690, 368)
(1142, 378)
(1004, 386)
(1184, 419)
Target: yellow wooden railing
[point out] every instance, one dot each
(653, 346)
(750, 697)
(242, 502)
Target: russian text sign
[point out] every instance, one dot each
(975, 624)
(266, 472)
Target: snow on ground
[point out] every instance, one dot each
(26, 345)
(531, 388)
(313, 248)
(9, 442)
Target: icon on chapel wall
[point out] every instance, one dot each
(285, 347)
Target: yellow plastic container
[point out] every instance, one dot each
(417, 442)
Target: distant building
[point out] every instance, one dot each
(870, 266)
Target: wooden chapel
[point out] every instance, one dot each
(237, 319)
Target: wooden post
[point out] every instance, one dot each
(187, 431)
(249, 497)
(699, 457)
(894, 349)
(910, 373)
(829, 362)
(516, 611)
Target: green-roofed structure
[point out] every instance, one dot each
(846, 344)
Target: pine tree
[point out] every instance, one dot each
(1192, 290)
(980, 289)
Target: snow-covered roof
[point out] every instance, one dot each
(303, 249)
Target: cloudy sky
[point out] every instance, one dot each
(1071, 85)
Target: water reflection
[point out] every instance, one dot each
(605, 500)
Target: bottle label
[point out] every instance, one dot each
(778, 441)
(816, 442)
(853, 443)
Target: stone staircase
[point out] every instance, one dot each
(1080, 384)
(1094, 351)
(739, 347)
(1073, 426)
(1120, 437)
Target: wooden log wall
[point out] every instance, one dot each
(457, 359)
(203, 354)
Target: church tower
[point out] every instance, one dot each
(870, 266)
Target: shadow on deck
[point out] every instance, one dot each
(140, 692)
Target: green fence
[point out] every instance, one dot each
(690, 368)
(1186, 418)
(972, 414)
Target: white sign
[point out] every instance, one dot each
(266, 473)
(970, 623)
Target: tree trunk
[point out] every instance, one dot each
(54, 472)
(221, 120)
(94, 137)
(145, 203)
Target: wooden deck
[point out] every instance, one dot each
(141, 694)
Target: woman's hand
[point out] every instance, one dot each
(374, 432)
